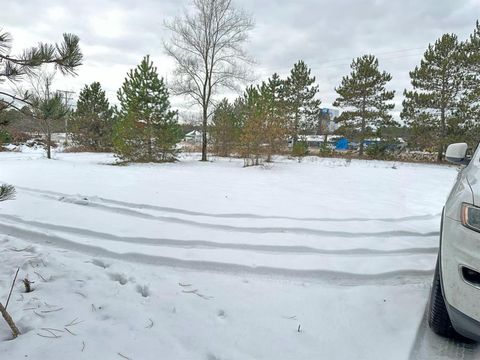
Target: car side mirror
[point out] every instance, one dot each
(457, 153)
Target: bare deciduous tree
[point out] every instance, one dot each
(207, 46)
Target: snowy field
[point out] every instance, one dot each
(322, 259)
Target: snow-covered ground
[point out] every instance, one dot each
(323, 259)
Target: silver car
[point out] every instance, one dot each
(454, 308)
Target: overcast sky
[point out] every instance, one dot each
(326, 34)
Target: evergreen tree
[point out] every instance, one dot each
(299, 92)
(432, 108)
(5, 120)
(264, 121)
(66, 57)
(365, 100)
(147, 129)
(225, 129)
(470, 104)
(252, 137)
(275, 127)
(92, 122)
(48, 110)
(7, 192)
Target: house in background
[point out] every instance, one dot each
(193, 137)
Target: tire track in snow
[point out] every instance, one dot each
(335, 277)
(245, 229)
(428, 345)
(176, 243)
(226, 215)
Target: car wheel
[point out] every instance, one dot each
(438, 318)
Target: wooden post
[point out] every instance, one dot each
(9, 320)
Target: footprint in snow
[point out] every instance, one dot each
(122, 279)
(143, 290)
(100, 263)
(221, 314)
(210, 356)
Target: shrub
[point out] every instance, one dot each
(300, 148)
(5, 137)
(377, 151)
(325, 150)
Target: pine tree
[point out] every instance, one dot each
(299, 93)
(365, 100)
(92, 122)
(225, 129)
(432, 107)
(7, 192)
(252, 137)
(147, 129)
(46, 108)
(470, 104)
(275, 127)
(66, 57)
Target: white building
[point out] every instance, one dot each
(194, 137)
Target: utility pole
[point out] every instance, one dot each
(67, 97)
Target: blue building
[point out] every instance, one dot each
(342, 144)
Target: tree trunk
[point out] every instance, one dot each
(149, 143)
(320, 126)
(362, 130)
(49, 143)
(9, 320)
(442, 135)
(295, 129)
(204, 134)
(362, 138)
(440, 153)
(360, 152)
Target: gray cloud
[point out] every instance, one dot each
(115, 35)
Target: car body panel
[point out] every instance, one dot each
(460, 193)
(460, 246)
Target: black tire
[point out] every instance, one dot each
(438, 318)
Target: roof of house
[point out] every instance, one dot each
(193, 133)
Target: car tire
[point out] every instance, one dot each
(438, 318)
